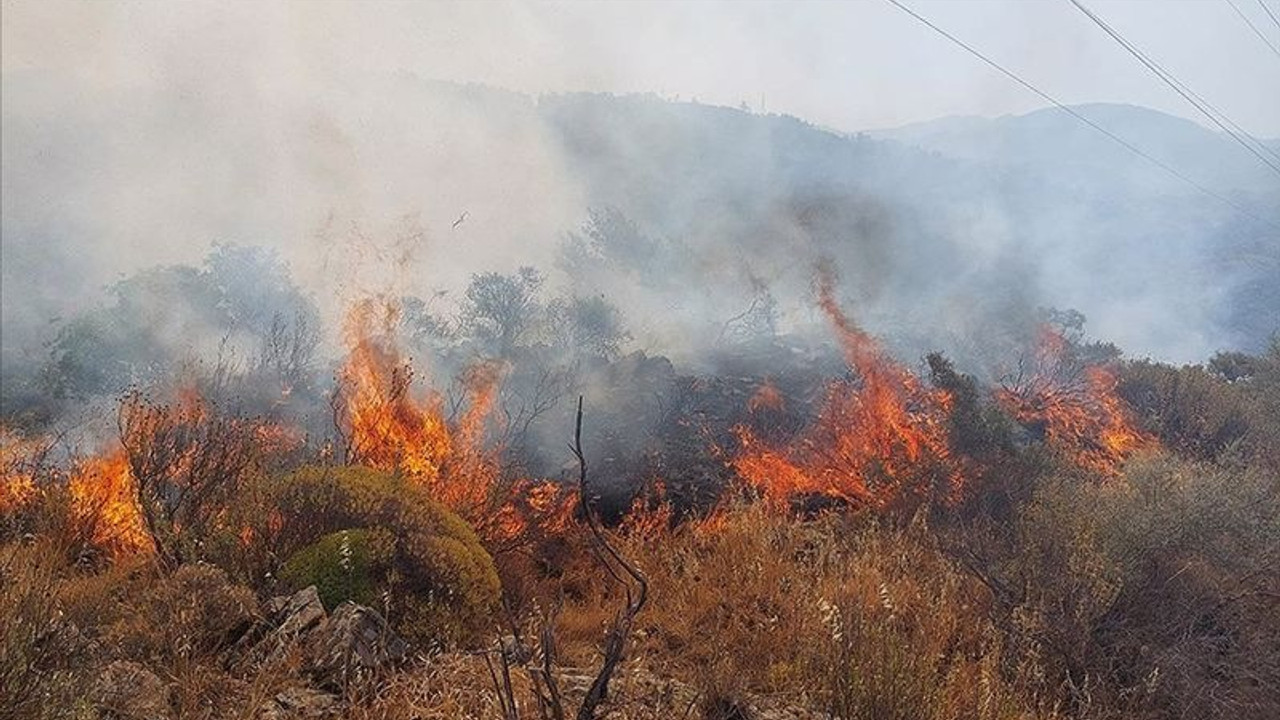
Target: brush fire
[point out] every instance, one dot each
(336, 383)
(770, 506)
(877, 439)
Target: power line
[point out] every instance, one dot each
(1254, 28)
(1181, 88)
(1073, 113)
(1270, 14)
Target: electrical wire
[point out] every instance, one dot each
(1187, 93)
(1075, 114)
(1254, 28)
(1270, 14)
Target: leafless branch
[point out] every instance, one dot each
(623, 571)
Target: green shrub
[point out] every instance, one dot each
(346, 565)
(440, 583)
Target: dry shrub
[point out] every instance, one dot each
(1191, 410)
(43, 656)
(136, 612)
(1155, 594)
(863, 619)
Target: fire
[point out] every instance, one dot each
(276, 439)
(766, 397)
(1076, 407)
(383, 424)
(872, 441)
(387, 426)
(18, 458)
(104, 500)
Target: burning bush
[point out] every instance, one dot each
(1073, 405)
(105, 504)
(440, 582)
(386, 426)
(877, 440)
(186, 463)
(21, 461)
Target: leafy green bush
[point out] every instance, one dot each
(346, 565)
(439, 583)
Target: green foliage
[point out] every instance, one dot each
(345, 565)
(441, 583)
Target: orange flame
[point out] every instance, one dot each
(870, 443)
(386, 426)
(104, 499)
(1076, 407)
(18, 457)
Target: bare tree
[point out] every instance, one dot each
(542, 675)
(531, 397)
(288, 350)
(186, 463)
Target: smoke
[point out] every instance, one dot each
(351, 144)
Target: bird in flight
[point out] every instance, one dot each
(461, 217)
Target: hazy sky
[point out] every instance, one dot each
(849, 66)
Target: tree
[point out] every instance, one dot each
(503, 311)
(156, 320)
(588, 325)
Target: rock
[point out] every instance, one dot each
(301, 612)
(301, 702)
(287, 618)
(354, 642)
(129, 691)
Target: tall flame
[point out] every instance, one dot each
(385, 426)
(871, 442)
(105, 501)
(388, 427)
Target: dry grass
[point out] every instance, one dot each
(1128, 599)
